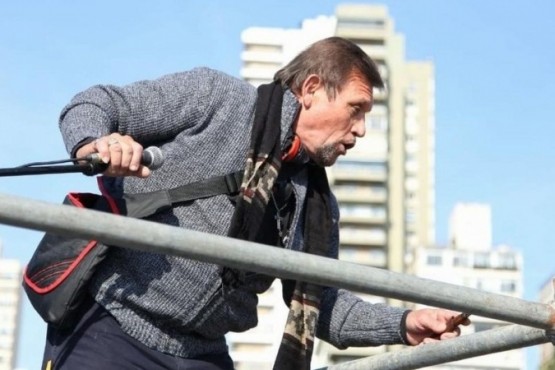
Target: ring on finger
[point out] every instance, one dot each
(113, 141)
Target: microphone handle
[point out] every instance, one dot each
(94, 167)
(146, 160)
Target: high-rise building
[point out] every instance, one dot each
(10, 308)
(493, 269)
(385, 185)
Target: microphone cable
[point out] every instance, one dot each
(36, 164)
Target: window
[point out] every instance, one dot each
(481, 260)
(376, 122)
(434, 260)
(264, 48)
(359, 210)
(508, 286)
(506, 261)
(365, 23)
(410, 216)
(348, 165)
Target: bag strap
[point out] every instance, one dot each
(146, 204)
(217, 185)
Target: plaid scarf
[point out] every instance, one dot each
(262, 169)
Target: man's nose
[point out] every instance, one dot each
(359, 128)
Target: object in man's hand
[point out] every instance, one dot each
(457, 320)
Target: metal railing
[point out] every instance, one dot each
(536, 318)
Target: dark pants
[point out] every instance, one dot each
(97, 342)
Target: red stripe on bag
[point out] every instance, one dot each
(61, 279)
(74, 199)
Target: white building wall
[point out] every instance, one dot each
(10, 306)
(268, 49)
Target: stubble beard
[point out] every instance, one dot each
(326, 155)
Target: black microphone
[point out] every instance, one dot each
(152, 158)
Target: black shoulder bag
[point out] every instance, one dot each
(56, 278)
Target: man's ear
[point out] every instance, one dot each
(308, 88)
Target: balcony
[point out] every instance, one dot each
(362, 238)
(359, 195)
(375, 220)
(375, 257)
(360, 175)
(262, 56)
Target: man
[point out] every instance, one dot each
(155, 311)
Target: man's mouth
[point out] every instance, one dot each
(344, 147)
(349, 146)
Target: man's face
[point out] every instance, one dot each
(329, 127)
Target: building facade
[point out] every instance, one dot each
(385, 185)
(470, 260)
(10, 308)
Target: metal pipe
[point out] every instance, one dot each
(149, 236)
(485, 342)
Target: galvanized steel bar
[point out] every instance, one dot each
(150, 236)
(485, 342)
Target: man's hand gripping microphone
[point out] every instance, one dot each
(152, 158)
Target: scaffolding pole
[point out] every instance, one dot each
(154, 237)
(482, 343)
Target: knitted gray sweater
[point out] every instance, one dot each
(201, 119)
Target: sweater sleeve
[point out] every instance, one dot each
(346, 320)
(149, 111)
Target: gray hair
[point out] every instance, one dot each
(332, 59)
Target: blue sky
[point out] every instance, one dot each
(494, 83)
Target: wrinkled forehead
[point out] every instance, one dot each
(358, 87)
(359, 81)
